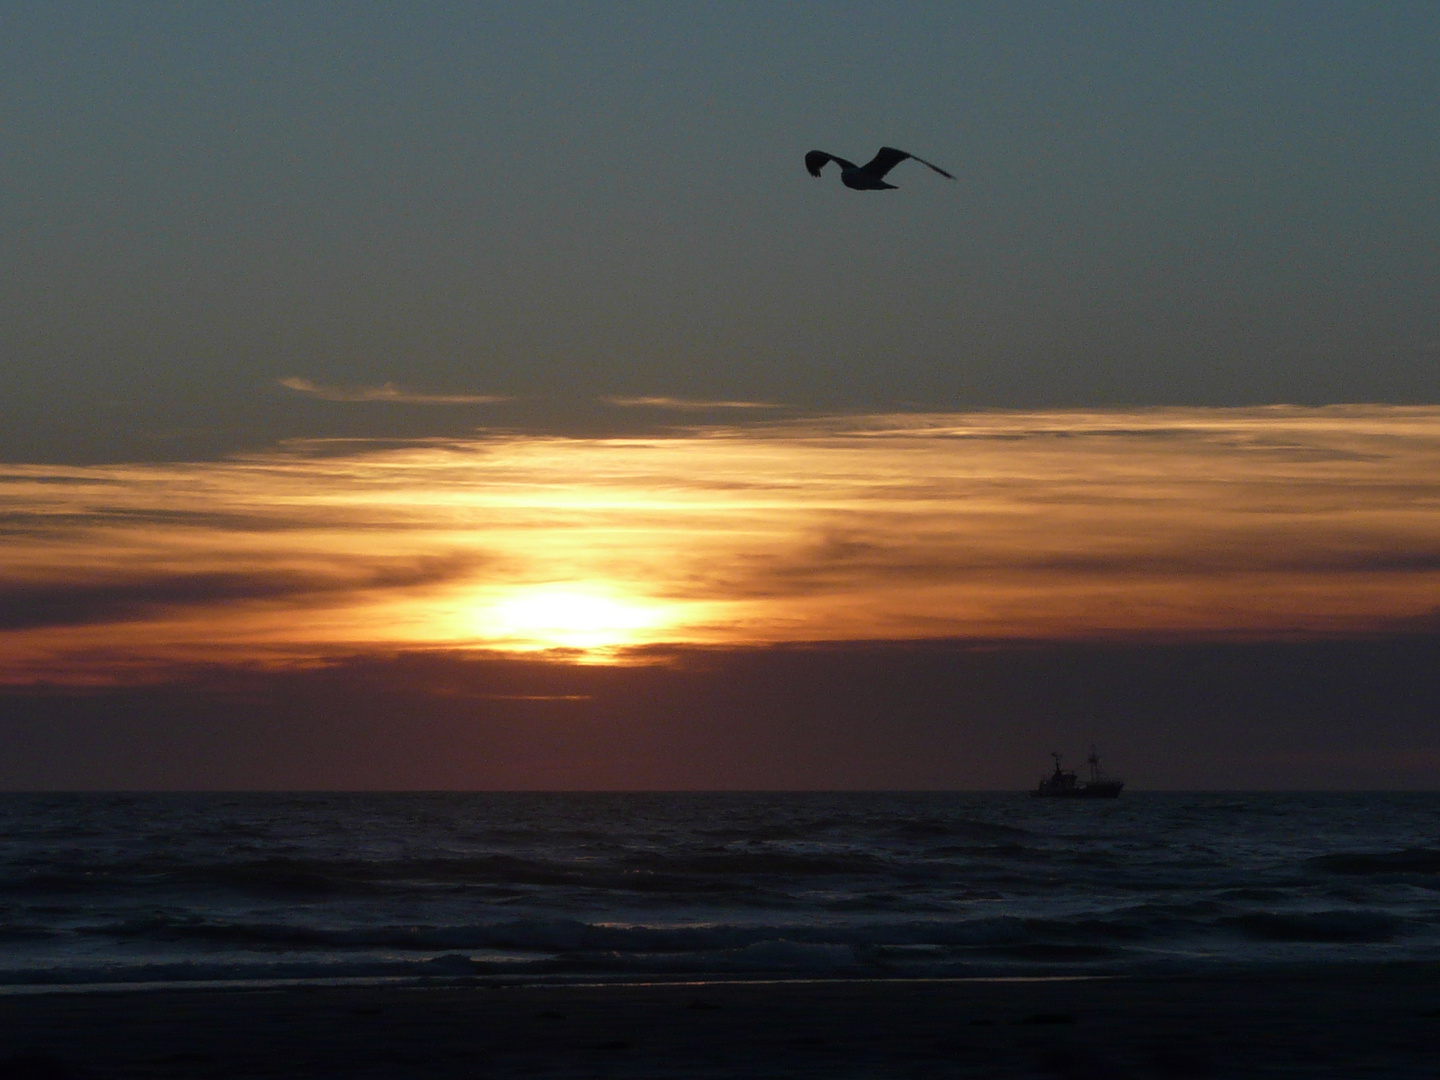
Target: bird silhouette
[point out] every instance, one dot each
(871, 175)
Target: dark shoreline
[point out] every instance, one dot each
(1322, 1021)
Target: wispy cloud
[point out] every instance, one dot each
(152, 592)
(685, 404)
(1198, 523)
(385, 392)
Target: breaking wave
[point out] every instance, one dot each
(190, 888)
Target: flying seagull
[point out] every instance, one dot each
(871, 175)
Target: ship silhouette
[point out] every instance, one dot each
(1066, 785)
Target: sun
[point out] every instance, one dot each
(568, 617)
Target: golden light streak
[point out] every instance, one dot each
(1192, 522)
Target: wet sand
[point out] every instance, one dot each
(1380, 1021)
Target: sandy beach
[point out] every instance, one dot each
(1347, 1022)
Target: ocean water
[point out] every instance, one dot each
(581, 887)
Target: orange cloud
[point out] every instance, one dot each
(1262, 522)
(685, 404)
(385, 392)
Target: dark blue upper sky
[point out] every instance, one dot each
(1156, 203)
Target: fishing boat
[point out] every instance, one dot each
(1066, 785)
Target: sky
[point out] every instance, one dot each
(401, 356)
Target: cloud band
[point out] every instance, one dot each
(388, 393)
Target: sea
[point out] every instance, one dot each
(134, 890)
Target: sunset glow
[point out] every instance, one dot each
(567, 617)
(1177, 522)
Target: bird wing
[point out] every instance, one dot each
(937, 168)
(816, 160)
(889, 157)
(884, 161)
